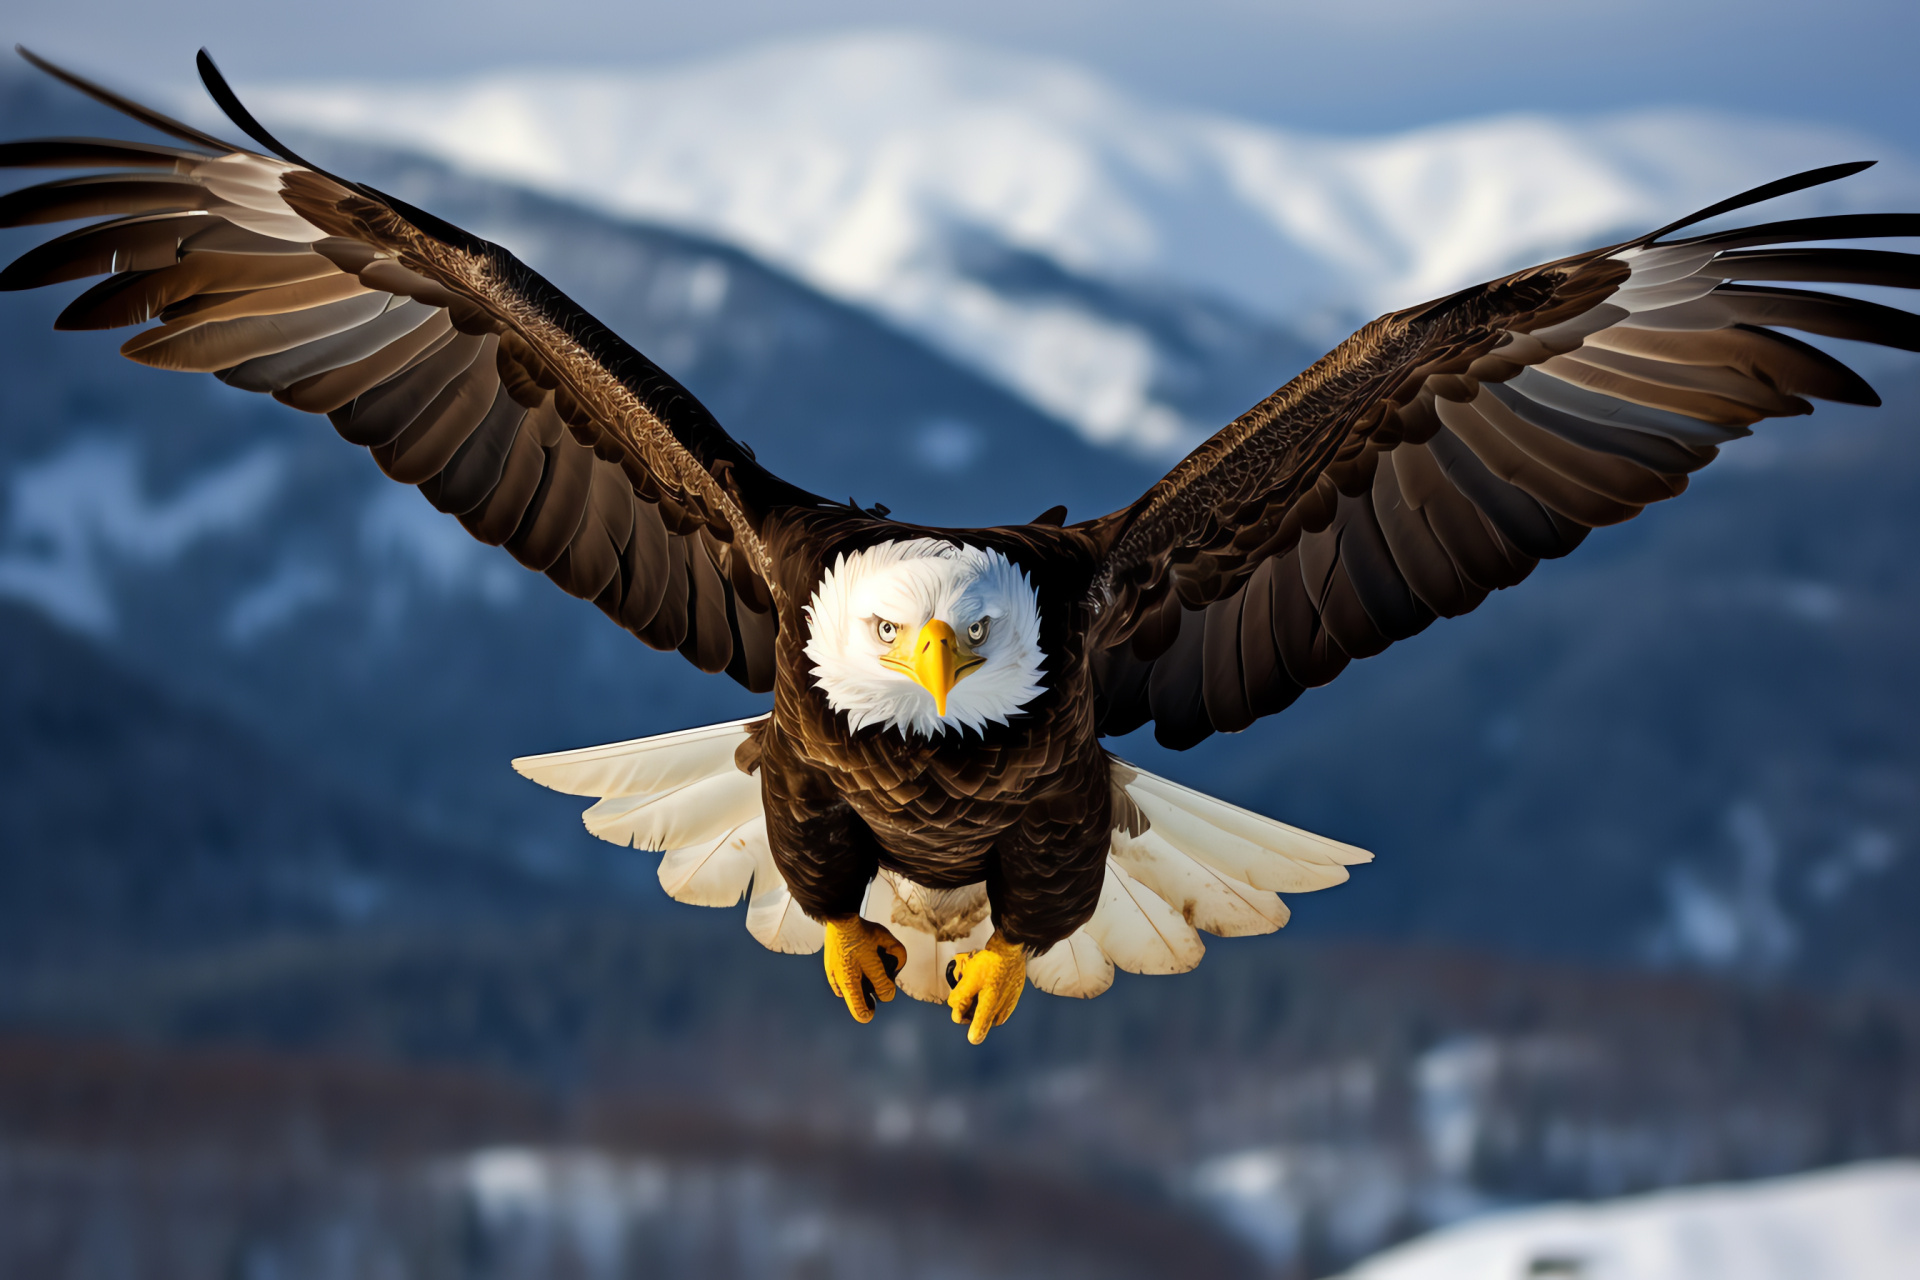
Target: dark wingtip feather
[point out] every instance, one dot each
(1767, 191)
(229, 102)
(87, 153)
(126, 106)
(237, 112)
(1834, 380)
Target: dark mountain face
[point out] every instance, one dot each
(133, 827)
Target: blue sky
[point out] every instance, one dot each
(1355, 66)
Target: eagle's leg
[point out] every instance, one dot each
(861, 959)
(1043, 883)
(987, 985)
(828, 857)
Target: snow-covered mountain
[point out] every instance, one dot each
(1079, 245)
(1859, 1223)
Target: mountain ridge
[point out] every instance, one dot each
(905, 173)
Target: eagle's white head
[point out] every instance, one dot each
(925, 636)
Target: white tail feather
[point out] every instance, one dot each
(1201, 863)
(1138, 930)
(1074, 966)
(644, 766)
(715, 873)
(1198, 864)
(1206, 897)
(773, 918)
(1276, 838)
(1227, 852)
(681, 793)
(688, 815)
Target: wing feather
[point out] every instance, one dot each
(1780, 361)
(376, 418)
(1742, 396)
(1307, 652)
(464, 373)
(647, 564)
(1345, 619)
(1507, 461)
(667, 627)
(558, 506)
(1383, 593)
(1223, 684)
(591, 560)
(474, 470)
(1443, 451)
(207, 345)
(709, 640)
(429, 442)
(1430, 572)
(1267, 686)
(494, 520)
(135, 297)
(338, 387)
(284, 369)
(1824, 266)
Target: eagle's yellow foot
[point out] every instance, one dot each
(986, 985)
(862, 958)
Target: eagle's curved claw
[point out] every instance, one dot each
(861, 959)
(987, 984)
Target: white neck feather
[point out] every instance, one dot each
(911, 584)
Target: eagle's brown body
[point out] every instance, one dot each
(1025, 807)
(1437, 455)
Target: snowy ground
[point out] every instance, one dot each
(1856, 1223)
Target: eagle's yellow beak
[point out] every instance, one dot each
(936, 661)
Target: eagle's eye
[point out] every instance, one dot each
(977, 632)
(886, 631)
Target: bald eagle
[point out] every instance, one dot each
(928, 801)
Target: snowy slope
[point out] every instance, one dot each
(1858, 1223)
(926, 179)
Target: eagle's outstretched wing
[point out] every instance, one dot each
(1443, 451)
(462, 371)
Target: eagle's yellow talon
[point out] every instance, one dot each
(987, 984)
(861, 959)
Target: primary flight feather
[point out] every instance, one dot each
(928, 801)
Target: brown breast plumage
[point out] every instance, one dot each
(939, 808)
